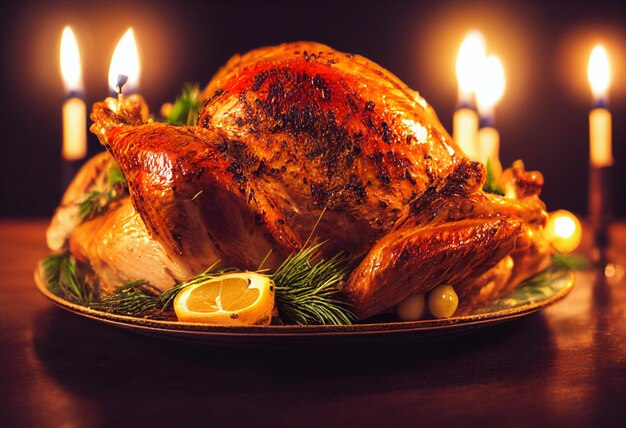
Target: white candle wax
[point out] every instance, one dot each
(465, 128)
(489, 148)
(74, 129)
(600, 151)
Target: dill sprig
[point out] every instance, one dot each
(186, 109)
(97, 200)
(65, 279)
(306, 289)
(490, 185)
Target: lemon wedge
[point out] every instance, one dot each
(241, 298)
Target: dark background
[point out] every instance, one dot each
(544, 47)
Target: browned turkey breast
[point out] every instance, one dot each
(299, 134)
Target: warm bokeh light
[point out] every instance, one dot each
(564, 227)
(469, 64)
(71, 71)
(571, 57)
(491, 84)
(599, 72)
(563, 231)
(125, 61)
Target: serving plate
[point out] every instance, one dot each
(530, 297)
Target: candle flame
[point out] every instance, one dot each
(469, 64)
(491, 84)
(599, 72)
(125, 61)
(70, 62)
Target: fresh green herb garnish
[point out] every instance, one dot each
(140, 298)
(96, 201)
(134, 298)
(560, 263)
(305, 291)
(186, 109)
(63, 278)
(115, 176)
(306, 288)
(570, 261)
(490, 185)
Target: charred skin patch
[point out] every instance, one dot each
(466, 178)
(303, 101)
(321, 135)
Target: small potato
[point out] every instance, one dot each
(443, 301)
(412, 308)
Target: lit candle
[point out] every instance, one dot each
(468, 67)
(74, 108)
(599, 74)
(125, 67)
(489, 91)
(563, 231)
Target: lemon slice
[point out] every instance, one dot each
(242, 298)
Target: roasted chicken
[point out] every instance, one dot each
(299, 142)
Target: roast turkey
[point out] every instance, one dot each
(298, 142)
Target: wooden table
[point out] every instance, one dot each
(564, 366)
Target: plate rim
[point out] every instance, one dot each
(187, 328)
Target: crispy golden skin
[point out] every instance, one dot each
(297, 133)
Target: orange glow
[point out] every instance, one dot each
(469, 64)
(125, 61)
(563, 231)
(491, 85)
(71, 71)
(572, 59)
(599, 72)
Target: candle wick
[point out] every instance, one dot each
(600, 102)
(468, 103)
(121, 81)
(487, 121)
